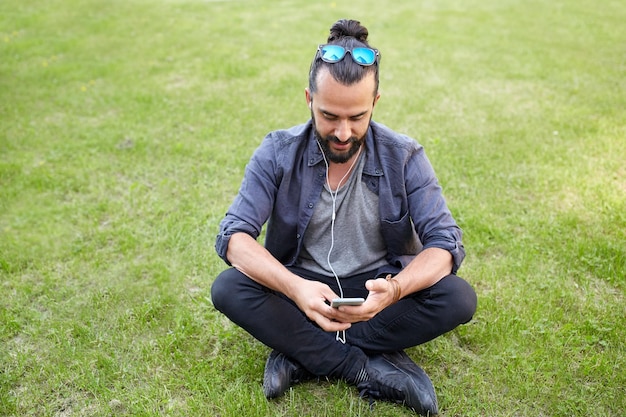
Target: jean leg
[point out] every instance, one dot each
(277, 322)
(418, 318)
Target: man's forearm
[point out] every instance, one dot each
(253, 260)
(428, 267)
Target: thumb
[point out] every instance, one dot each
(376, 285)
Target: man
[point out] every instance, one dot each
(353, 209)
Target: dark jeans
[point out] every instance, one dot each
(276, 321)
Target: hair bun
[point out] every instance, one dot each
(348, 28)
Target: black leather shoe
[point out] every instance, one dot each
(395, 377)
(281, 373)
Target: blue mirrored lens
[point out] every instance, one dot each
(364, 56)
(333, 53)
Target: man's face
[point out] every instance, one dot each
(341, 114)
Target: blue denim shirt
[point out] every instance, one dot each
(283, 182)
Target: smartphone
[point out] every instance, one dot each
(336, 302)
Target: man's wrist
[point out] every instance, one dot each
(397, 290)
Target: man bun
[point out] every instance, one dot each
(349, 34)
(348, 28)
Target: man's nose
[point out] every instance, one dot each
(343, 131)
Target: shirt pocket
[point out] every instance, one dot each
(400, 236)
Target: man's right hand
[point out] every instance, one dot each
(253, 260)
(313, 298)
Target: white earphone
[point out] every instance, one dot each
(341, 335)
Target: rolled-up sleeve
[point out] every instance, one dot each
(229, 226)
(455, 247)
(433, 221)
(253, 204)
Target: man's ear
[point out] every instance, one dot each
(309, 98)
(376, 99)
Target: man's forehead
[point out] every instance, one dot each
(327, 83)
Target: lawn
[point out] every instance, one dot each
(125, 127)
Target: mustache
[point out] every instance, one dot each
(335, 139)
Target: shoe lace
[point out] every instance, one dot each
(366, 392)
(370, 389)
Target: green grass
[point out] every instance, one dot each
(124, 130)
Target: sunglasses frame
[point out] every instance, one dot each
(320, 52)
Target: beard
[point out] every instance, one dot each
(338, 157)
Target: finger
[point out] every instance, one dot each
(325, 317)
(376, 285)
(351, 314)
(332, 326)
(329, 295)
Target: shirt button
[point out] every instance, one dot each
(298, 236)
(310, 205)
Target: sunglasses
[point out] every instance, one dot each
(335, 53)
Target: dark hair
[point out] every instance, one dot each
(349, 34)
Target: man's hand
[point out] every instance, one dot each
(253, 260)
(381, 295)
(313, 298)
(428, 267)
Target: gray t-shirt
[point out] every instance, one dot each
(355, 244)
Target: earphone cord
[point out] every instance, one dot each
(341, 335)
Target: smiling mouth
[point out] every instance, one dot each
(342, 146)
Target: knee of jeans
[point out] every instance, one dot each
(221, 291)
(466, 300)
(457, 297)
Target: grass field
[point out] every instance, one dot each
(124, 130)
